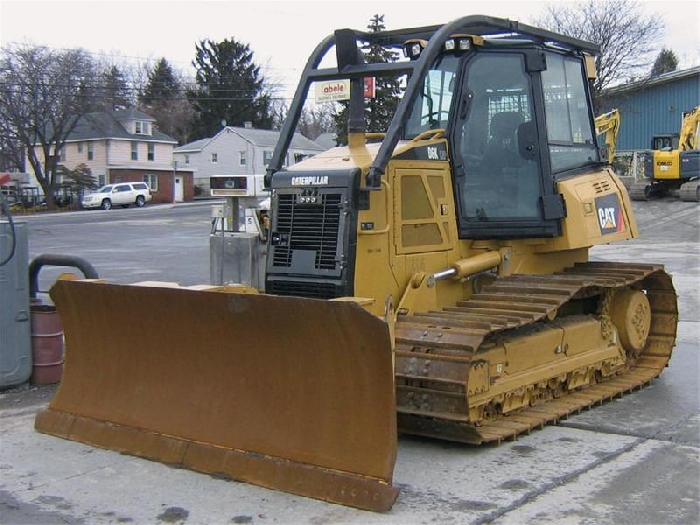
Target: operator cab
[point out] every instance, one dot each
(498, 101)
(667, 142)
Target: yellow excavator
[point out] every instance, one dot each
(673, 163)
(607, 127)
(434, 283)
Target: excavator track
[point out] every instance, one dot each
(690, 191)
(640, 191)
(440, 354)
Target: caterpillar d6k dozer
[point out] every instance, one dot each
(433, 278)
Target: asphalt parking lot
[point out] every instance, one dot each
(634, 460)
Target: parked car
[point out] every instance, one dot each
(120, 194)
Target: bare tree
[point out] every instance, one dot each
(11, 150)
(626, 36)
(43, 93)
(316, 120)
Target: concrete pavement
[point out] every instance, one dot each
(634, 460)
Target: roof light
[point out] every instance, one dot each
(458, 43)
(413, 48)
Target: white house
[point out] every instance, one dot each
(125, 146)
(238, 151)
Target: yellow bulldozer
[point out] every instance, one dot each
(673, 163)
(432, 280)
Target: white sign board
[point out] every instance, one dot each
(330, 90)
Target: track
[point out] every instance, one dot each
(439, 355)
(690, 191)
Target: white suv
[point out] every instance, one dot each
(120, 194)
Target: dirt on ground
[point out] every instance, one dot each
(26, 396)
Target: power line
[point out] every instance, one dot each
(155, 59)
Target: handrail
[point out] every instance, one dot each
(50, 259)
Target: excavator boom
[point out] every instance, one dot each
(608, 125)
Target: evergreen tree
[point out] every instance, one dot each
(380, 109)
(162, 85)
(229, 87)
(666, 61)
(114, 89)
(163, 98)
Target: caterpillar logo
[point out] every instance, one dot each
(610, 218)
(315, 180)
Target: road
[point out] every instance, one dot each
(635, 460)
(163, 242)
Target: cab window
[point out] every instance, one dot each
(499, 173)
(431, 110)
(569, 128)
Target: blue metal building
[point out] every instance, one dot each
(653, 106)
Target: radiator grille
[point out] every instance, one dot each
(313, 290)
(311, 227)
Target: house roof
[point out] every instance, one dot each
(259, 137)
(326, 140)
(108, 125)
(664, 78)
(265, 137)
(132, 114)
(197, 145)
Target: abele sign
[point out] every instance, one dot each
(333, 90)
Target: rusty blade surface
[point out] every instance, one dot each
(293, 394)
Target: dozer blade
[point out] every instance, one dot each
(287, 393)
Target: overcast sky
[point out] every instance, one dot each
(281, 34)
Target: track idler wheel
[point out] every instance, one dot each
(631, 313)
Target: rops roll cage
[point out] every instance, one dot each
(351, 65)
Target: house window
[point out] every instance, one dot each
(187, 159)
(214, 158)
(267, 158)
(62, 155)
(241, 158)
(298, 157)
(80, 147)
(151, 151)
(152, 181)
(90, 151)
(141, 128)
(134, 150)
(101, 180)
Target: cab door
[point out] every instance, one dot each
(503, 186)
